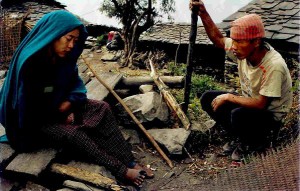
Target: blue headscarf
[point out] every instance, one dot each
(52, 26)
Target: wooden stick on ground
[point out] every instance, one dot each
(131, 115)
(86, 176)
(170, 100)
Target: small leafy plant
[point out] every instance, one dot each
(200, 84)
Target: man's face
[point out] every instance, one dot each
(66, 43)
(243, 48)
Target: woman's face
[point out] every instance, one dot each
(66, 43)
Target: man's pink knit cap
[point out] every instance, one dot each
(247, 27)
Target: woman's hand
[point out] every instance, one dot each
(70, 119)
(65, 112)
(218, 101)
(64, 107)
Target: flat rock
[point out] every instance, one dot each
(172, 139)
(82, 68)
(2, 74)
(80, 186)
(146, 107)
(131, 135)
(85, 77)
(146, 88)
(97, 91)
(6, 185)
(33, 186)
(66, 189)
(23, 163)
(198, 127)
(1, 83)
(210, 123)
(2, 130)
(6, 152)
(109, 57)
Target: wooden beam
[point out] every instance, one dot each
(169, 98)
(86, 176)
(136, 81)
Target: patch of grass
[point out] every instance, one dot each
(200, 84)
(177, 69)
(101, 40)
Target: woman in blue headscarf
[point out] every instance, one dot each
(43, 100)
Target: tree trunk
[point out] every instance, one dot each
(132, 33)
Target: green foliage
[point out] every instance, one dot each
(177, 69)
(195, 106)
(178, 94)
(101, 40)
(202, 83)
(130, 10)
(296, 86)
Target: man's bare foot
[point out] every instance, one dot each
(148, 174)
(134, 176)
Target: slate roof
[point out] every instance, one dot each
(170, 33)
(281, 18)
(32, 10)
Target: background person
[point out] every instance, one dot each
(116, 43)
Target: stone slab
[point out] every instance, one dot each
(85, 77)
(32, 163)
(34, 187)
(172, 139)
(282, 36)
(66, 189)
(95, 90)
(80, 186)
(6, 185)
(1, 83)
(2, 130)
(82, 68)
(6, 152)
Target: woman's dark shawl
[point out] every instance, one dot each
(52, 26)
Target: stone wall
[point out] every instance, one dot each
(207, 58)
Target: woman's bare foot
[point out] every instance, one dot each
(134, 176)
(148, 174)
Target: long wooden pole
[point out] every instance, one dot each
(189, 64)
(131, 115)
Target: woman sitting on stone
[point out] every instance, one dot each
(43, 100)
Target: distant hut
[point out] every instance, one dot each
(17, 18)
